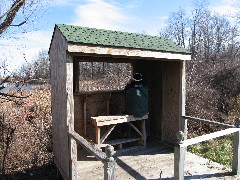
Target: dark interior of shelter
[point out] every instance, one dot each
(100, 93)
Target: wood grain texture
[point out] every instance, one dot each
(206, 137)
(58, 58)
(126, 52)
(172, 104)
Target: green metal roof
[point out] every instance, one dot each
(93, 36)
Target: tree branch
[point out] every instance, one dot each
(10, 15)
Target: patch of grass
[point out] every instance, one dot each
(218, 150)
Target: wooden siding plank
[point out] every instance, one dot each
(58, 58)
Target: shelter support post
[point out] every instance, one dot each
(236, 150)
(144, 136)
(73, 158)
(185, 127)
(179, 157)
(109, 164)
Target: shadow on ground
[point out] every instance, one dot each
(45, 172)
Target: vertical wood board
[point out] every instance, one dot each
(172, 106)
(57, 55)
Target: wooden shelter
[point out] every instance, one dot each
(162, 64)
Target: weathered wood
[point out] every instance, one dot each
(179, 158)
(70, 119)
(180, 137)
(86, 145)
(163, 109)
(137, 53)
(136, 129)
(98, 135)
(120, 141)
(107, 103)
(185, 128)
(85, 115)
(58, 58)
(206, 137)
(104, 137)
(108, 120)
(73, 159)
(182, 100)
(236, 150)
(109, 164)
(171, 121)
(98, 92)
(76, 73)
(113, 120)
(209, 122)
(144, 134)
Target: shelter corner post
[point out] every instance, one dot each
(109, 164)
(179, 157)
(236, 150)
(70, 119)
(183, 121)
(185, 127)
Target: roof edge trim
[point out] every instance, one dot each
(128, 52)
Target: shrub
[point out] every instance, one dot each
(29, 144)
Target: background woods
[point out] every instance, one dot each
(213, 74)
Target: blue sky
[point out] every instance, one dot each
(141, 16)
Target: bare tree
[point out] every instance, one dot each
(15, 13)
(212, 75)
(37, 69)
(177, 27)
(211, 36)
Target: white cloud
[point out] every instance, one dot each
(102, 14)
(113, 15)
(24, 48)
(227, 7)
(230, 2)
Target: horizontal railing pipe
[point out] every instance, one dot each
(208, 122)
(210, 136)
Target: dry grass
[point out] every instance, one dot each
(30, 124)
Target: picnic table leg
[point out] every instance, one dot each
(98, 140)
(144, 138)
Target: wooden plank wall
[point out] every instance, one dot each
(57, 55)
(152, 76)
(96, 105)
(155, 99)
(172, 100)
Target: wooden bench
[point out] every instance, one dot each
(112, 121)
